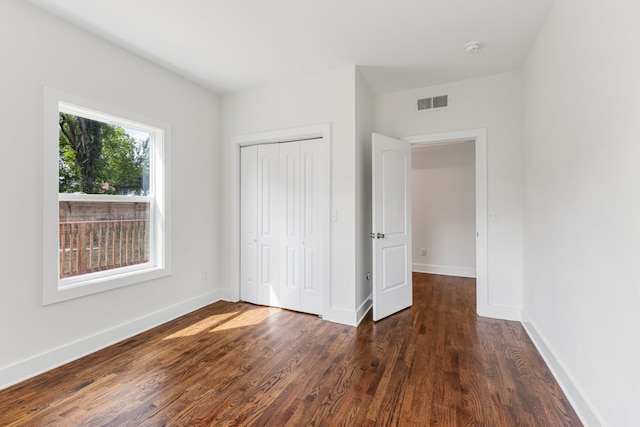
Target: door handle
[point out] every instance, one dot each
(380, 236)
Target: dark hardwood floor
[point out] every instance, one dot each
(436, 363)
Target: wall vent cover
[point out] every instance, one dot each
(432, 103)
(425, 104)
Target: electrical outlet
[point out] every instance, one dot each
(423, 251)
(205, 274)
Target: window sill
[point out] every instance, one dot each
(94, 283)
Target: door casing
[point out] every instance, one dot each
(284, 135)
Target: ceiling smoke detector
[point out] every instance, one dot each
(472, 47)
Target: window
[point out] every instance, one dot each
(106, 222)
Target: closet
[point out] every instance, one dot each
(282, 224)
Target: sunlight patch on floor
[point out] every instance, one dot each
(248, 318)
(201, 326)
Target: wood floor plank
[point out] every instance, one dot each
(236, 364)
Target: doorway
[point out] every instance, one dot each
(443, 208)
(479, 136)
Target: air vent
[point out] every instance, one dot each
(440, 101)
(431, 103)
(424, 104)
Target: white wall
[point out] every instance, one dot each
(443, 209)
(322, 98)
(582, 210)
(364, 128)
(494, 103)
(39, 50)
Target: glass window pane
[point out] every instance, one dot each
(97, 235)
(101, 158)
(95, 157)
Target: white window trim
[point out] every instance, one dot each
(55, 289)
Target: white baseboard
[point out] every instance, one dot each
(25, 369)
(342, 316)
(576, 396)
(446, 270)
(503, 312)
(364, 309)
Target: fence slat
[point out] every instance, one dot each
(73, 249)
(126, 245)
(101, 245)
(113, 244)
(63, 248)
(90, 247)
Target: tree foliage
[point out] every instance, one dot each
(84, 137)
(99, 158)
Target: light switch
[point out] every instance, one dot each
(493, 216)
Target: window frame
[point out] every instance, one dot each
(56, 289)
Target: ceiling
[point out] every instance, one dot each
(233, 45)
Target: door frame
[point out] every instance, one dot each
(483, 308)
(273, 137)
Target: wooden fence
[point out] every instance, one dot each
(89, 246)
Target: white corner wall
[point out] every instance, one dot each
(494, 103)
(444, 209)
(582, 208)
(39, 50)
(364, 119)
(327, 97)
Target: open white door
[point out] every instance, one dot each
(391, 234)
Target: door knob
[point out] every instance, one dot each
(380, 235)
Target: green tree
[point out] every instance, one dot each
(96, 157)
(125, 162)
(84, 138)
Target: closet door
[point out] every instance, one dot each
(290, 260)
(249, 224)
(313, 213)
(269, 211)
(301, 272)
(283, 213)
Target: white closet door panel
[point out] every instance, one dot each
(269, 208)
(290, 260)
(283, 214)
(313, 211)
(249, 224)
